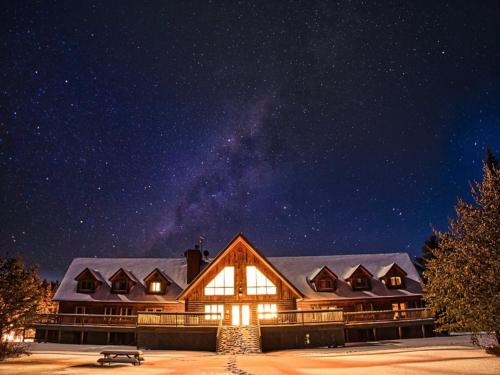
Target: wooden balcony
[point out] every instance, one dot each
(304, 317)
(185, 319)
(387, 317)
(88, 320)
(280, 318)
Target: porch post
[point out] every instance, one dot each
(423, 331)
(59, 336)
(400, 331)
(375, 334)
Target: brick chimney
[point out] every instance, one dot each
(193, 260)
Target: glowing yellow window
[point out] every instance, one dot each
(257, 283)
(222, 284)
(395, 281)
(214, 312)
(155, 287)
(267, 310)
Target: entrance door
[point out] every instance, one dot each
(240, 315)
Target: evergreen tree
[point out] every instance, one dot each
(463, 278)
(20, 295)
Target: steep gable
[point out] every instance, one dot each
(239, 253)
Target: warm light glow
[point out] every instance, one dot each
(244, 318)
(245, 315)
(214, 311)
(395, 281)
(222, 284)
(12, 337)
(257, 283)
(155, 287)
(235, 315)
(267, 310)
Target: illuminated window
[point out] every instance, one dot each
(257, 283)
(222, 284)
(395, 281)
(155, 287)
(267, 310)
(214, 312)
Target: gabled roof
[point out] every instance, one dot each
(159, 272)
(94, 273)
(174, 268)
(239, 238)
(128, 274)
(319, 270)
(351, 271)
(297, 268)
(382, 272)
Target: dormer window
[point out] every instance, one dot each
(155, 287)
(325, 284)
(86, 285)
(122, 281)
(393, 276)
(324, 280)
(120, 285)
(359, 278)
(156, 282)
(360, 283)
(87, 281)
(395, 281)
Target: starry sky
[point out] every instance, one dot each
(129, 129)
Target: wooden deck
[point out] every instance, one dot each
(280, 318)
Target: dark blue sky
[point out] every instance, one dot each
(131, 128)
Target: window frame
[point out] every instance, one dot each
(223, 284)
(118, 283)
(214, 311)
(267, 311)
(154, 291)
(268, 288)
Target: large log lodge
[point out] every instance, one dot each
(203, 303)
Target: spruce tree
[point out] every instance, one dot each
(463, 278)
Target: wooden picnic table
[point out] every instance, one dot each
(134, 357)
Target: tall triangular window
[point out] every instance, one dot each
(257, 283)
(222, 284)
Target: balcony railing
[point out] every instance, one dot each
(303, 317)
(88, 319)
(295, 317)
(387, 315)
(178, 319)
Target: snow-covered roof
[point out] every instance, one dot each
(174, 269)
(297, 271)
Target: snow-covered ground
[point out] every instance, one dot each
(438, 355)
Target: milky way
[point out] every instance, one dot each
(132, 129)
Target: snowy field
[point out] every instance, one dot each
(439, 355)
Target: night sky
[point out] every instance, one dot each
(129, 129)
